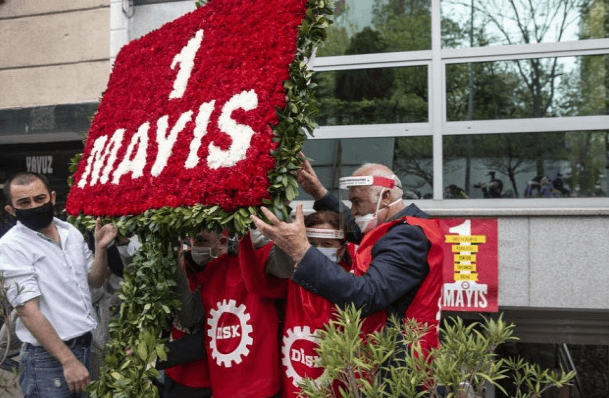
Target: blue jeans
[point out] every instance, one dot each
(41, 375)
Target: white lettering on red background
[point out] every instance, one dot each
(307, 360)
(186, 59)
(228, 332)
(102, 164)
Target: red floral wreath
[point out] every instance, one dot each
(241, 49)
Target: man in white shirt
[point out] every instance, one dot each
(47, 269)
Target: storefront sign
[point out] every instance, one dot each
(39, 164)
(470, 265)
(50, 159)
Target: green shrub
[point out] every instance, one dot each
(390, 363)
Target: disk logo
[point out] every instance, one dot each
(300, 359)
(230, 333)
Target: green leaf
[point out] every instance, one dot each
(142, 352)
(161, 352)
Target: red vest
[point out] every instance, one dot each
(194, 374)
(425, 306)
(305, 314)
(241, 333)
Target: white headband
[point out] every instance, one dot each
(357, 181)
(324, 233)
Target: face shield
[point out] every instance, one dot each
(364, 200)
(317, 236)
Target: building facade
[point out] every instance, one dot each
(458, 97)
(463, 93)
(54, 65)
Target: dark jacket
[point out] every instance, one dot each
(398, 267)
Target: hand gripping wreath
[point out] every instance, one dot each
(206, 112)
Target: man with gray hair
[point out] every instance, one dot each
(398, 263)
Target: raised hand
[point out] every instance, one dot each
(289, 237)
(180, 254)
(104, 234)
(307, 178)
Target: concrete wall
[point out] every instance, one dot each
(19, 8)
(152, 16)
(53, 51)
(554, 262)
(553, 253)
(119, 24)
(131, 22)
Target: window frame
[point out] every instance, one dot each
(436, 60)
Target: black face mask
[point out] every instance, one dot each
(37, 218)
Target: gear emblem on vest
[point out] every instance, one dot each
(293, 356)
(224, 329)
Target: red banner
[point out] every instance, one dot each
(186, 118)
(471, 271)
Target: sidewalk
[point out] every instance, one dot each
(10, 380)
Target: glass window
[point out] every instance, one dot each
(478, 23)
(413, 164)
(368, 96)
(367, 26)
(592, 369)
(409, 157)
(526, 165)
(47, 119)
(588, 361)
(528, 88)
